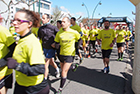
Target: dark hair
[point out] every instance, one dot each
(59, 21)
(31, 16)
(48, 16)
(106, 21)
(73, 18)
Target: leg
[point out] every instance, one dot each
(47, 60)
(65, 67)
(3, 90)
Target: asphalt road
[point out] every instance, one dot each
(88, 79)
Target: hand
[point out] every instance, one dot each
(11, 63)
(111, 45)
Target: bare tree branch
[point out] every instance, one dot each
(34, 2)
(24, 2)
(4, 2)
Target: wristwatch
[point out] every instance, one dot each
(18, 67)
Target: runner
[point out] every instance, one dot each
(84, 38)
(59, 24)
(108, 38)
(121, 35)
(129, 35)
(66, 37)
(78, 29)
(7, 45)
(28, 60)
(92, 33)
(47, 33)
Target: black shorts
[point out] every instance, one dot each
(92, 42)
(106, 53)
(7, 81)
(126, 40)
(120, 45)
(68, 59)
(42, 87)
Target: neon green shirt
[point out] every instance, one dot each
(29, 50)
(76, 27)
(92, 34)
(6, 39)
(107, 37)
(84, 31)
(67, 41)
(34, 30)
(128, 33)
(121, 36)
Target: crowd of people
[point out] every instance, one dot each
(39, 45)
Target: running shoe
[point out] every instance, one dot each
(121, 59)
(57, 74)
(118, 59)
(88, 56)
(96, 50)
(76, 58)
(106, 70)
(81, 60)
(75, 67)
(59, 91)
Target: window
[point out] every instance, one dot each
(46, 6)
(38, 4)
(11, 7)
(11, 11)
(17, 9)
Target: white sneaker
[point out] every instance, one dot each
(57, 74)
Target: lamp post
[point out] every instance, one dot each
(87, 12)
(39, 7)
(99, 3)
(109, 14)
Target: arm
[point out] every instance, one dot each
(25, 67)
(31, 70)
(113, 42)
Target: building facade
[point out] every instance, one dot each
(45, 8)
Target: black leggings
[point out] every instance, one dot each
(93, 45)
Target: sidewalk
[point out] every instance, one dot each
(88, 79)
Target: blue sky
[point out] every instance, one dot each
(118, 8)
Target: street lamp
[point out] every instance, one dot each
(96, 8)
(109, 14)
(87, 11)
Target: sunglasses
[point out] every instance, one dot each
(20, 21)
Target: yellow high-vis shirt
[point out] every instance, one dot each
(76, 27)
(98, 30)
(107, 37)
(6, 39)
(29, 50)
(34, 30)
(67, 41)
(121, 36)
(84, 31)
(93, 33)
(128, 33)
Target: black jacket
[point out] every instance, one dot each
(47, 34)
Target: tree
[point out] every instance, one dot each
(56, 14)
(8, 4)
